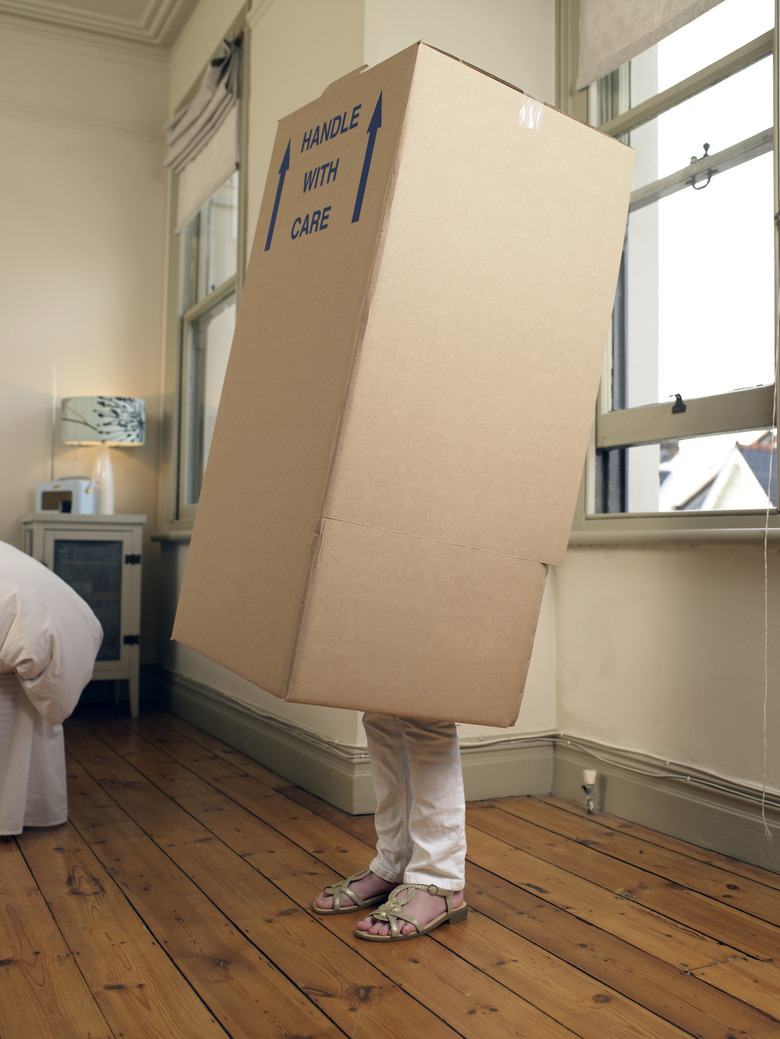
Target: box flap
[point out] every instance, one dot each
(342, 80)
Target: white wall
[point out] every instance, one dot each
(83, 216)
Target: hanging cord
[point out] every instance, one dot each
(767, 831)
(53, 417)
(772, 454)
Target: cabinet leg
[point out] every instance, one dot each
(134, 693)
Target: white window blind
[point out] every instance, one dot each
(614, 31)
(202, 136)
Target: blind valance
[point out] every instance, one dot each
(614, 31)
(202, 136)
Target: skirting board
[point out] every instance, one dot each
(696, 806)
(703, 808)
(339, 774)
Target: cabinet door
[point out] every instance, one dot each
(93, 565)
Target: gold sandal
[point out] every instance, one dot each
(392, 911)
(343, 888)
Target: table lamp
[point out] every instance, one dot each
(109, 422)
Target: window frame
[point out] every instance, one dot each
(742, 409)
(212, 304)
(175, 519)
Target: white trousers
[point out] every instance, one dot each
(421, 809)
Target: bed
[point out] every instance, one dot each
(49, 638)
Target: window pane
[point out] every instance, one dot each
(706, 474)
(726, 28)
(209, 244)
(209, 268)
(700, 290)
(695, 310)
(218, 252)
(208, 349)
(729, 112)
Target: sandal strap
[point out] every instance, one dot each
(343, 888)
(392, 910)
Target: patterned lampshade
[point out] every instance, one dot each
(115, 421)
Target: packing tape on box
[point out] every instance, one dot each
(531, 114)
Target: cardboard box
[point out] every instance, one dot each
(407, 406)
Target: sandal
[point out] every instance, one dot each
(392, 912)
(343, 888)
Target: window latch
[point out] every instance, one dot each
(708, 173)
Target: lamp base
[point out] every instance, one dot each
(104, 482)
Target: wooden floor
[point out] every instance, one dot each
(174, 903)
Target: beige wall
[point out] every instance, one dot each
(298, 48)
(661, 651)
(293, 54)
(512, 39)
(83, 216)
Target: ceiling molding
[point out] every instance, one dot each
(148, 23)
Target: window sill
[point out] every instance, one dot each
(173, 536)
(665, 528)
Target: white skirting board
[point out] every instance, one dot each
(703, 808)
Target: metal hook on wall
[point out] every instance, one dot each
(694, 158)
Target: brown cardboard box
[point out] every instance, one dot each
(410, 391)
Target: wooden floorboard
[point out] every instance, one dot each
(176, 903)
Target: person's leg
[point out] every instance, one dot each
(436, 824)
(437, 821)
(390, 774)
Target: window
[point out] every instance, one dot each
(685, 417)
(206, 139)
(209, 264)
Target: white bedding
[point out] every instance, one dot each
(49, 638)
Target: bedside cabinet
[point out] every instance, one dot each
(100, 558)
